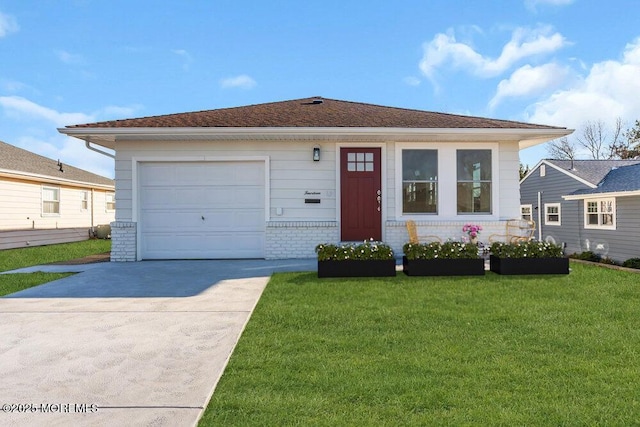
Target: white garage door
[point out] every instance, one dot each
(202, 210)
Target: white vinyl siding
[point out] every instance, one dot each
(552, 214)
(21, 207)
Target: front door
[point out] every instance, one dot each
(360, 194)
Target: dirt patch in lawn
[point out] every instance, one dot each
(103, 257)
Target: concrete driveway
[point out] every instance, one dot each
(125, 344)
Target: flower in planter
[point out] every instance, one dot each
(368, 250)
(472, 230)
(530, 249)
(436, 250)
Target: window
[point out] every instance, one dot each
(50, 201)
(420, 181)
(84, 202)
(552, 213)
(600, 213)
(525, 212)
(111, 202)
(360, 162)
(474, 181)
(543, 170)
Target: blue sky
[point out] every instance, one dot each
(554, 62)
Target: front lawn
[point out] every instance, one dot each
(493, 350)
(12, 259)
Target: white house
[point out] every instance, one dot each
(274, 180)
(44, 201)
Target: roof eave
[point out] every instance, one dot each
(106, 137)
(27, 176)
(602, 194)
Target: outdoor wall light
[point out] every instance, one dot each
(316, 154)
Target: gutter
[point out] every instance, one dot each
(87, 143)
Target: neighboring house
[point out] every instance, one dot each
(274, 180)
(43, 201)
(586, 205)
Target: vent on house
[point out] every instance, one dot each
(317, 101)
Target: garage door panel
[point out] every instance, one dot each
(205, 210)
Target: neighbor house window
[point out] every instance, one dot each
(111, 202)
(84, 202)
(525, 212)
(51, 200)
(474, 181)
(552, 213)
(420, 181)
(600, 213)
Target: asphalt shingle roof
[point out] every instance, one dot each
(625, 178)
(314, 112)
(592, 171)
(16, 159)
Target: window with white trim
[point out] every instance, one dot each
(50, 201)
(474, 181)
(420, 181)
(552, 213)
(110, 201)
(84, 201)
(600, 213)
(525, 212)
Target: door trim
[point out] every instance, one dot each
(383, 180)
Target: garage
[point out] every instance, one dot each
(202, 210)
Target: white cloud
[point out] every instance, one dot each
(8, 24)
(69, 58)
(412, 81)
(611, 89)
(532, 4)
(530, 81)
(242, 81)
(18, 107)
(186, 56)
(444, 50)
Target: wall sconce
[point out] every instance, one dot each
(316, 154)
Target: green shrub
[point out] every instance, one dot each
(632, 263)
(530, 249)
(607, 260)
(587, 256)
(436, 250)
(368, 250)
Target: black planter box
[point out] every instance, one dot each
(357, 268)
(529, 265)
(443, 267)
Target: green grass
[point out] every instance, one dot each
(11, 259)
(498, 350)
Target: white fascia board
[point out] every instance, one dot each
(525, 137)
(568, 173)
(602, 195)
(52, 180)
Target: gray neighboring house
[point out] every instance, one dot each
(586, 205)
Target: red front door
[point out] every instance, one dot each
(360, 194)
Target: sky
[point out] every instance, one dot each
(551, 62)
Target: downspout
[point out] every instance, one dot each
(93, 207)
(540, 216)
